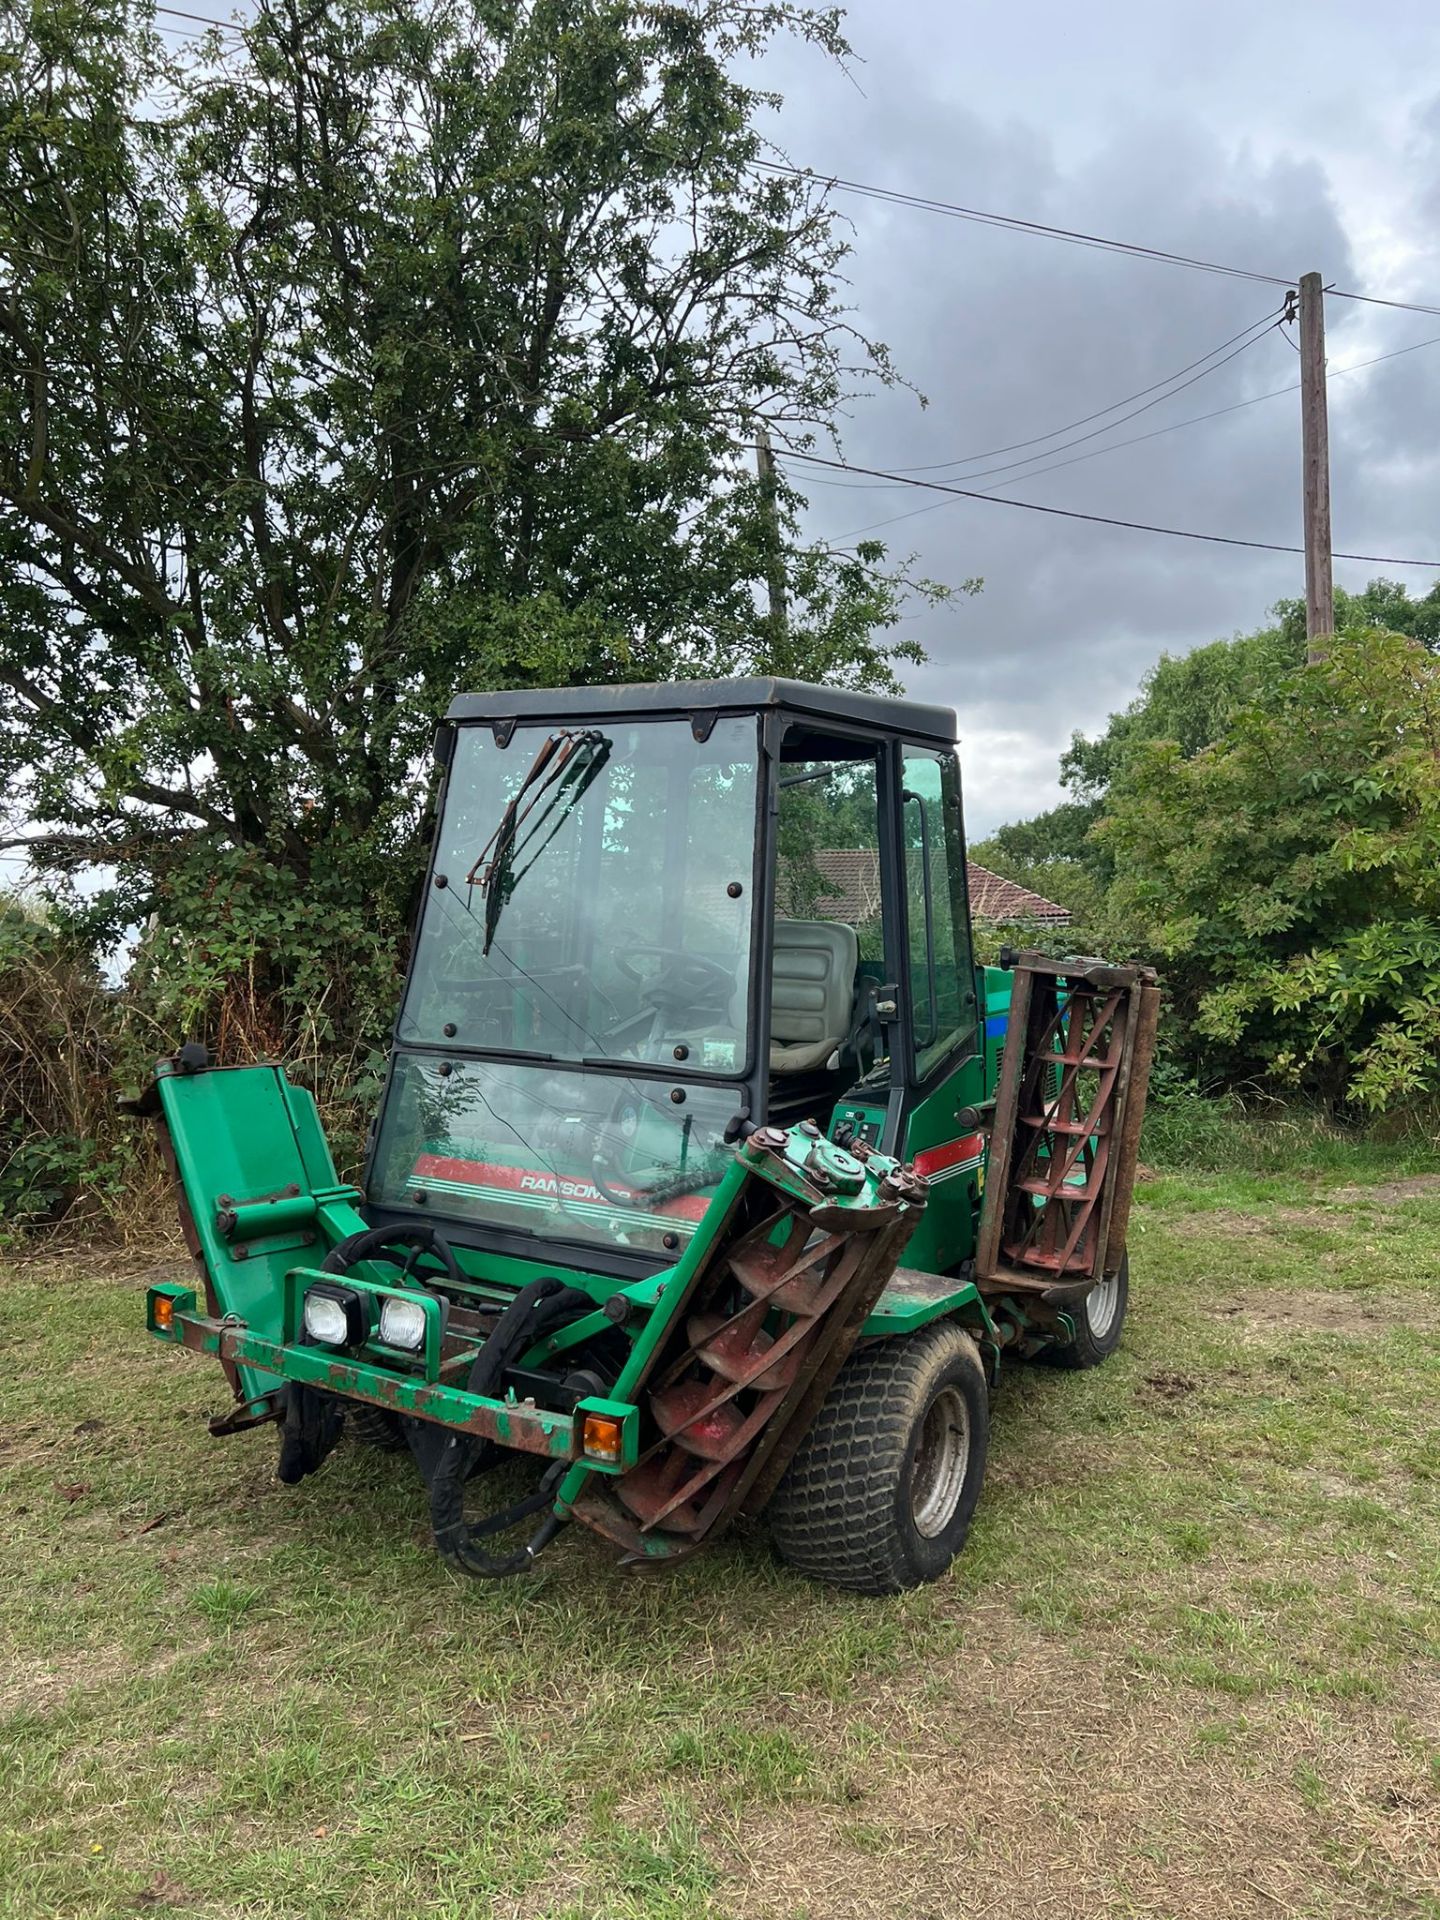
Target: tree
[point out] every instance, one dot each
(1385, 606)
(1187, 698)
(1190, 697)
(382, 349)
(1288, 876)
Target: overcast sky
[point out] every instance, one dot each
(1281, 138)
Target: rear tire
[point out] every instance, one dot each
(375, 1426)
(880, 1493)
(1099, 1323)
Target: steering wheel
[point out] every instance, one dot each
(681, 980)
(384, 1243)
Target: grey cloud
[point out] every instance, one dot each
(1011, 336)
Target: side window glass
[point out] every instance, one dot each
(829, 864)
(828, 871)
(938, 959)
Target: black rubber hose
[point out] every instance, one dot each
(459, 1547)
(534, 1311)
(372, 1243)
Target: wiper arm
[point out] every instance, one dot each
(557, 754)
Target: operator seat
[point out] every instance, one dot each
(812, 993)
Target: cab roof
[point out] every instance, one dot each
(682, 698)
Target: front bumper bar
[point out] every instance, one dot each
(517, 1424)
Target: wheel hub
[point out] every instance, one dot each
(941, 1457)
(1100, 1306)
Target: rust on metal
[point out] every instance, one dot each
(1134, 1091)
(518, 1424)
(1067, 1125)
(767, 1329)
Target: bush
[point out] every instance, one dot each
(1287, 880)
(247, 961)
(1188, 1131)
(62, 1143)
(261, 964)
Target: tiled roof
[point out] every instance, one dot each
(853, 883)
(993, 897)
(854, 891)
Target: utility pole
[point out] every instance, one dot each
(1315, 463)
(774, 545)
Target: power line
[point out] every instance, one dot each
(1097, 519)
(200, 19)
(1374, 300)
(1063, 446)
(1135, 439)
(1014, 223)
(1194, 419)
(968, 459)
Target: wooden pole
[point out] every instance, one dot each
(774, 546)
(1315, 462)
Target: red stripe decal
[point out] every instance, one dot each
(950, 1154)
(540, 1184)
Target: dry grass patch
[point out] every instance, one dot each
(1314, 1310)
(1187, 1666)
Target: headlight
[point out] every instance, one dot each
(402, 1323)
(335, 1316)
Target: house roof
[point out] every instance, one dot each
(852, 882)
(853, 891)
(993, 897)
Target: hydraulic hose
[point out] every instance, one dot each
(458, 1541)
(535, 1311)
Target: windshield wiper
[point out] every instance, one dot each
(557, 764)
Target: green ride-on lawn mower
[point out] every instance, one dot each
(710, 1170)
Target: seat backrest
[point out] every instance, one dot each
(813, 987)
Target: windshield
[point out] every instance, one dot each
(591, 898)
(597, 1157)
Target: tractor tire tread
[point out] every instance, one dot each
(833, 1516)
(375, 1426)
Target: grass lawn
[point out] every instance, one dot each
(1188, 1666)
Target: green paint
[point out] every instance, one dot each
(299, 1279)
(914, 1299)
(996, 985)
(240, 1133)
(670, 1302)
(288, 1214)
(182, 1301)
(515, 1424)
(947, 1230)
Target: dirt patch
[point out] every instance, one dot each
(1275, 1223)
(1015, 1780)
(1419, 1186)
(47, 1684)
(1166, 1386)
(1038, 1785)
(163, 1891)
(107, 1264)
(1314, 1310)
(1036, 1467)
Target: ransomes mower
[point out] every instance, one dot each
(710, 1170)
